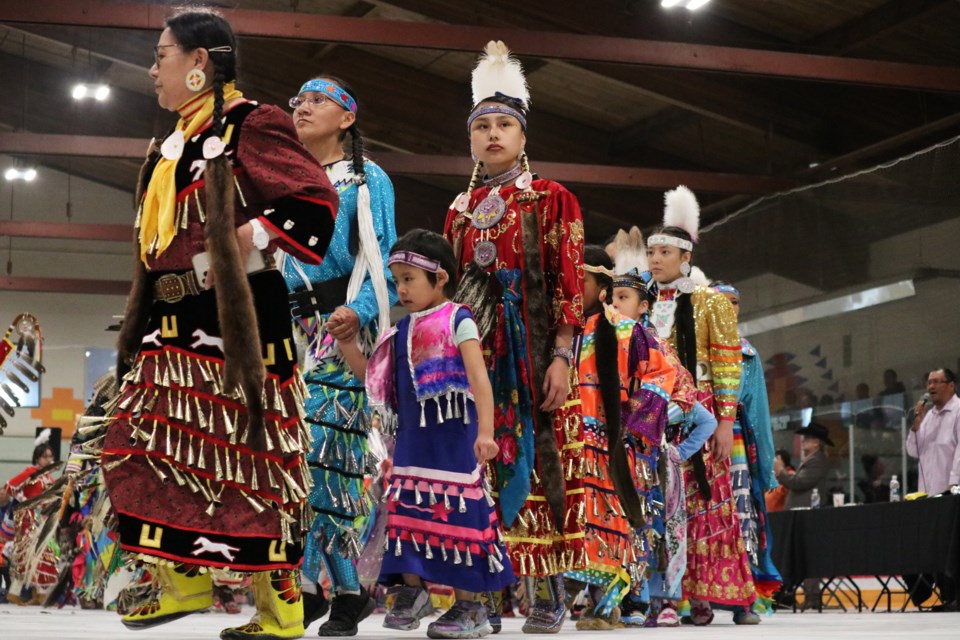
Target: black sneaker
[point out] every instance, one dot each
(315, 606)
(346, 611)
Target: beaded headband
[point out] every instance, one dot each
(639, 281)
(496, 108)
(672, 241)
(414, 260)
(332, 91)
(726, 288)
(589, 268)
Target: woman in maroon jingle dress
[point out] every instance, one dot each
(204, 459)
(519, 246)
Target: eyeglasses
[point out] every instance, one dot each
(156, 53)
(938, 381)
(316, 100)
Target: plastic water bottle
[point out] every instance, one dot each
(814, 499)
(894, 489)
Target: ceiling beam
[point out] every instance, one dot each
(66, 285)
(51, 144)
(888, 18)
(346, 30)
(403, 164)
(66, 230)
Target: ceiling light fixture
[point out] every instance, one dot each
(690, 5)
(98, 92)
(27, 175)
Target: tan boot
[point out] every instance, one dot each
(279, 613)
(179, 592)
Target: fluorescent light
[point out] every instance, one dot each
(691, 5)
(27, 175)
(98, 92)
(832, 307)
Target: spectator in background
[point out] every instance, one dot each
(934, 436)
(863, 391)
(891, 384)
(812, 469)
(777, 498)
(874, 486)
(826, 400)
(894, 392)
(808, 399)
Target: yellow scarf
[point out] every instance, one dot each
(158, 224)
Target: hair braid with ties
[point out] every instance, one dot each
(474, 178)
(356, 140)
(218, 82)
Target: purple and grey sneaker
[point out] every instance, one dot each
(465, 619)
(410, 605)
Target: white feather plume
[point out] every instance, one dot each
(497, 71)
(631, 252)
(682, 210)
(699, 277)
(42, 438)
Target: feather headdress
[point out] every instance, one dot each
(631, 252)
(42, 438)
(682, 210)
(497, 72)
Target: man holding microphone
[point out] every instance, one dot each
(934, 439)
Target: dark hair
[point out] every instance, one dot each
(595, 256)
(784, 455)
(200, 28)
(434, 246)
(608, 381)
(39, 450)
(948, 375)
(356, 138)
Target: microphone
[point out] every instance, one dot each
(927, 400)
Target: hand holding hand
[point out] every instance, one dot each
(343, 324)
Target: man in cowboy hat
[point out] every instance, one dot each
(801, 483)
(811, 471)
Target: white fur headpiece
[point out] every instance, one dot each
(699, 277)
(631, 252)
(681, 210)
(499, 72)
(42, 438)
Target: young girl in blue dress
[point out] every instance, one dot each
(428, 376)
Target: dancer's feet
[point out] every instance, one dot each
(465, 619)
(410, 605)
(346, 612)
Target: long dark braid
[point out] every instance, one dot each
(686, 334)
(218, 82)
(356, 143)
